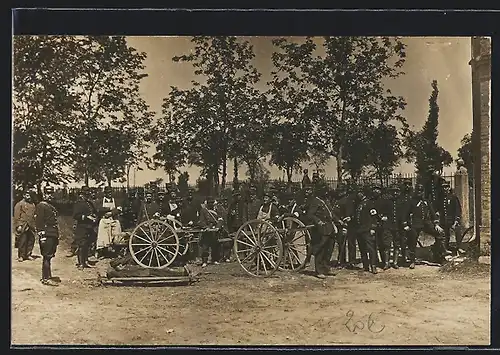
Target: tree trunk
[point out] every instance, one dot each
(289, 173)
(224, 170)
(235, 170)
(338, 158)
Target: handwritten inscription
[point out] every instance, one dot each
(352, 324)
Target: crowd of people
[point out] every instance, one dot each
(382, 223)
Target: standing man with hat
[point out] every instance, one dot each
(323, 233)
(209, 243)
(366, 221)
(24, 226)
(47, 229)
(383, 205)
(85, 216)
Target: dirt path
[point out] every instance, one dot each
(397, 307)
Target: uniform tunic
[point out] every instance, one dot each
(46, 220)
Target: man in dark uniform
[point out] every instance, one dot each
(366, 221)
(348, 205)
(392, 226)
(171, 207)
(149, 208)
(403, 207)
(383, 236)
(85, 216)
(252, 204)
(323, 233)
(236, 211)
(386, 207)
(209, 243)
(422, 218)
(129, 213)
(48, 233)
(450, 213)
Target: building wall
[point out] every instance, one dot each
(481, 72)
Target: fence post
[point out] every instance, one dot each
(462, 192)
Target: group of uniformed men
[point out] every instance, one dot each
(375, 221)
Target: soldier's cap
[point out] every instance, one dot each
(161, 193)
(377, 187)
(85, 188)
(210, 199)
(446, 184)
(48, 189)
(108, 189)
(236, 193)
(308, 187)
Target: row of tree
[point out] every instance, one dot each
(79, 114)
(326, 99)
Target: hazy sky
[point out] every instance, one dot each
(444, 59)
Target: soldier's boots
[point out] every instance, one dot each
(387, 255)
(396, 259)
(373, 269)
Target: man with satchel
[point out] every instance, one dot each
(48, 233)
(24, 226)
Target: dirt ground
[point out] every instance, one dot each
(424, 306)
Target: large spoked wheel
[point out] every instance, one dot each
(258, 248)
(154, 244)
(183, 237)
(296, 244)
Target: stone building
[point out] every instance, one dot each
(481, 98)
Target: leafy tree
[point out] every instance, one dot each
(385, 150)
(319, 158)
(224, 65)
(422, 146)
(108, 96)
(43, 102)
(344, 76)
(288, 147)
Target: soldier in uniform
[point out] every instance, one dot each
(323, 233)
(209, 243)
(235, 212)
(24, 225)
(383, 206)
(403, 207)
(422, 218)
(149, 208)
(85, 216)
(348, 206)
(450, 213)
(172, 208)
(269, 209)
(366, 221)
(392, 225)
(129, 213)
(47, 229)
(386, 207)
(252, 204)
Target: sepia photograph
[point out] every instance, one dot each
(243, 191)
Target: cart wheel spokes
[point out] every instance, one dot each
(258, 248)
(154, 244)
(296, 244)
